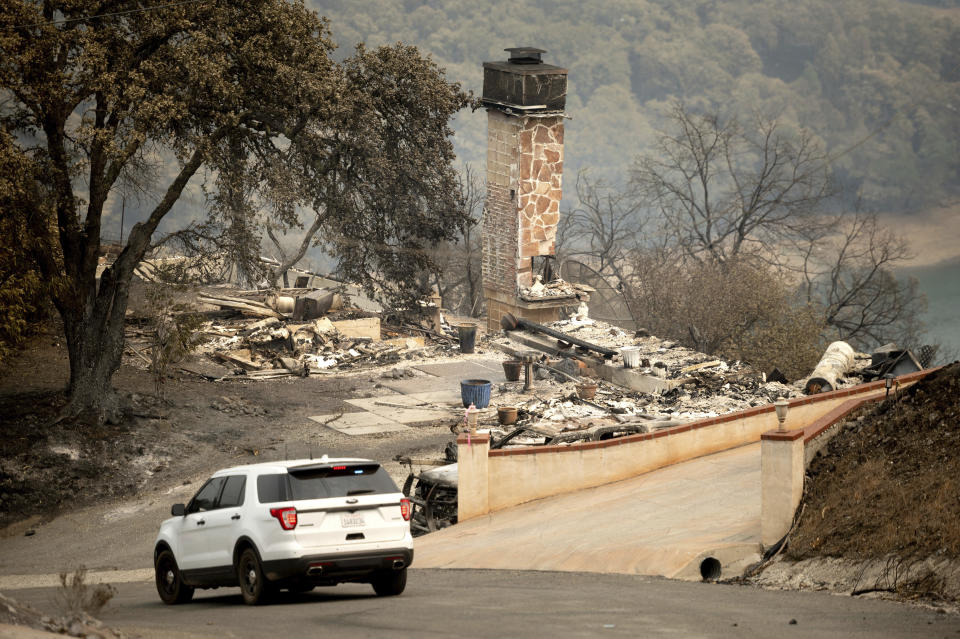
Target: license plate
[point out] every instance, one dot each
(351, 520)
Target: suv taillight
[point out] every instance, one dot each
(286, 516)
(405, 509)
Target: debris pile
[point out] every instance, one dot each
(891, 360)
(244, 305)
(703, 386)
(301, 348)
(555, 289)
(666, 359)
(555, 414)
(295, 333)
(695, 385)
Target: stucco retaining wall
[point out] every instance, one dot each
(493, 480)
(786, 454)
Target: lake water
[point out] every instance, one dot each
(941, 284)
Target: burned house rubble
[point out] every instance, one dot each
(585, 380)
(554, 289)
(566, 403)
(695, 386)
(237, 340)
(293, 332)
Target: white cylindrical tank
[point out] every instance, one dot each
(836, 361)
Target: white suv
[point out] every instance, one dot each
(291, 524)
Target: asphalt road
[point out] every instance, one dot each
(478, 603)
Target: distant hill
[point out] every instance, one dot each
(877, 80)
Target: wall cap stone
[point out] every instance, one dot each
(782, 435)
(479, 438)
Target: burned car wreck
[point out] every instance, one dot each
(433, 494)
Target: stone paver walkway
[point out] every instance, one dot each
(413, 400)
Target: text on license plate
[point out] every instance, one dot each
(351, 520)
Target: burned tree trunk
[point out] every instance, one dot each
(95, 338)
(93, 310)
(91, 369)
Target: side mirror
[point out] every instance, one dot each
(178, 510)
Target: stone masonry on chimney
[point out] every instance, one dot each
(525, 101)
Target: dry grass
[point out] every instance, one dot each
(76, 597)
(908, 578)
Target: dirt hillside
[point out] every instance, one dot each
(889, 483)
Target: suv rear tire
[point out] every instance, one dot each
(389, 584)
(170, 584)
(253, 583)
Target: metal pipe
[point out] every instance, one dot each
(509, 323)
(528, 359)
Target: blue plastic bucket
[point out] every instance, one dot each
(476, 392)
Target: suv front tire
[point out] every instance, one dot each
(170, 584)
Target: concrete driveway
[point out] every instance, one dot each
(662, 523)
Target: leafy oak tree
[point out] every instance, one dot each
(21, 291)
(236, 96)
(385, 190)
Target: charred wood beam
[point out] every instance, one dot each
(510, 323)
(506, 438)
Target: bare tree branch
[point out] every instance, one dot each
(724, 191)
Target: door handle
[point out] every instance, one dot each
(236, 517)
(200, 522)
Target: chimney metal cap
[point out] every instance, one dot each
(525, 55)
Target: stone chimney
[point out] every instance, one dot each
(525, 101)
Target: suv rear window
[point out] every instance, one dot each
(321, 482)
(272, 488)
